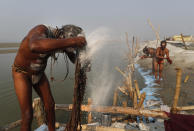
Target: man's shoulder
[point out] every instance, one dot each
(158, 48)
(166, 49)
(40, 27)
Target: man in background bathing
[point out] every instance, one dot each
(158, 56)
(30, 62)
(162, 53)
(150, 53)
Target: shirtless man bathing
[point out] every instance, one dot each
(30, 63)
(158, 56)
(150, 53)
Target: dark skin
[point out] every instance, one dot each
(162, 53)
(34, 44)
(151, 53)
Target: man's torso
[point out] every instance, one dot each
(161, 53)
(30, 62)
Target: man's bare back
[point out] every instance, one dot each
(150, 53)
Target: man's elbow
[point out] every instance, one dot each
(33, 47)
(36, 47)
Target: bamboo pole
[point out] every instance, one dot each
(140, 104)
(39, 113)
(69, 107)
(134, 99)
(115, 97)
(186, 79)
(183, 108)
(117, 110)
(184, 41)
(155, 31)
(136, 47)
(11, 125)
(177, 90)
(122, 73)
(127, 40)
(137, 89)
(130, 50)
(129, 85)
(89, 113)
(123, 90)
(124, 103)
(128, 82)
(142, 98)
(133, 46)
(132, 67)
(102, 128)
(87, 108)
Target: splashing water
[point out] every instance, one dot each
(102, 80)
(101, 86)
(95, 41)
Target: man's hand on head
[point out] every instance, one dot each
(81, 41)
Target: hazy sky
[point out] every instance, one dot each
(17, 17)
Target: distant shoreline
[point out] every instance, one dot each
(8, 51)
(3, 47)
(9, 45)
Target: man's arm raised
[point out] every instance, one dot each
(40, 44)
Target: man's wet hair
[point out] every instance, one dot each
(163, 41)
(69, 31)
(66, 31)
(145, 50)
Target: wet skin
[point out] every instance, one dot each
(32, 56)
(161, 52)
(151, 53)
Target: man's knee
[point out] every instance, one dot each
(160, 70)
(49, 105)
(27, 116)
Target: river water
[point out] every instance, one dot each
(10, 111)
